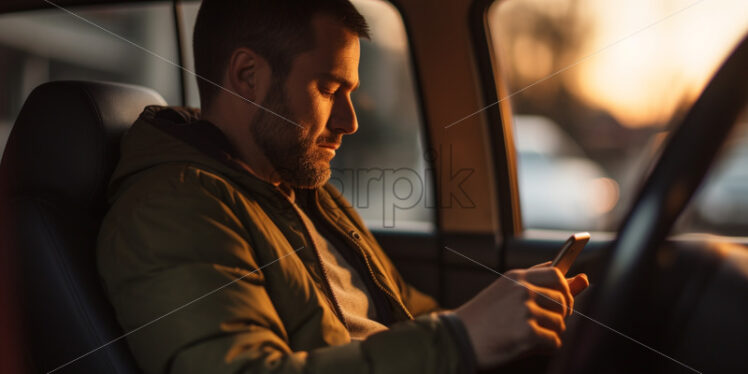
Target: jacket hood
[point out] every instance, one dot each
(175, 134)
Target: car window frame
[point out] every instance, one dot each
(499, 116)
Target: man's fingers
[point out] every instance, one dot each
(578, 283)
(548, 339)
(551, 300)
(547, 319)
(541, 265)
(553, 279)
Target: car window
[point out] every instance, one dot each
(46, 45)
(381, 169)
(720, 206)
(595, 86)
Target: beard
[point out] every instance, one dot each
(293, 154)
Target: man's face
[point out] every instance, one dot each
(316, 96)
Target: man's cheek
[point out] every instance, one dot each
(320, 114)
(311, 105)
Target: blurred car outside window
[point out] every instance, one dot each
(48, 45)
(595, 87)
(383, 168)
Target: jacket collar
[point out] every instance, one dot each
(177, 134)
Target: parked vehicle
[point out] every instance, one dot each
(582, 195)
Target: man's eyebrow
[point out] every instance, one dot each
(342, 81)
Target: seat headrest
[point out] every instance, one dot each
(65, 142)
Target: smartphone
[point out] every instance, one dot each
(570, 250)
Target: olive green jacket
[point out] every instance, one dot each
(215, 272)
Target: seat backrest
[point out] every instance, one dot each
(55, 169)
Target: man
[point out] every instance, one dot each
(225, 239)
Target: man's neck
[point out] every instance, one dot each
(250, 155)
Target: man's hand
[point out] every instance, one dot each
(520, 313)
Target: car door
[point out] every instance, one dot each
(479, 217)
(532, 141)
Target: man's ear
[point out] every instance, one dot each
(247, 73)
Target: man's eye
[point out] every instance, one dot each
(327, 93)
(328, 90)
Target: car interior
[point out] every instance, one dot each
(663, 298)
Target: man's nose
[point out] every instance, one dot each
(343, 117)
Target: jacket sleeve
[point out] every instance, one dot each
(183, 279)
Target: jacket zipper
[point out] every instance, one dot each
(373, 276)
(366, 261)
(336, 305)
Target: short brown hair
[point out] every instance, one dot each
(278, 30)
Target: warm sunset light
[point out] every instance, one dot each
(639, 60)
(607, 193)
(673, 58)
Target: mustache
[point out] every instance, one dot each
(335, 139)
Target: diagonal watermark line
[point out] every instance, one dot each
(154, 54)
(576, 312)
(171, 312)
(583, 59)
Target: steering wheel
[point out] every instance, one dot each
(599, 343)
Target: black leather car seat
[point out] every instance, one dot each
(55, 169)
